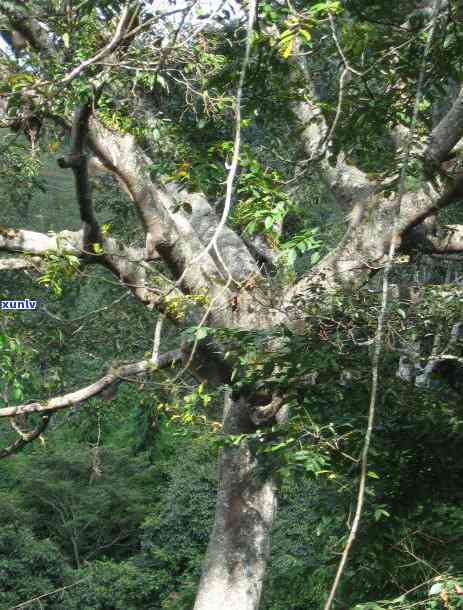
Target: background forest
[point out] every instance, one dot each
(109, 503)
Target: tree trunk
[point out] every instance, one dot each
(239, 546)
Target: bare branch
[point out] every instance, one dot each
(43, 595)
(334, 34)
(122, 28)
(442, 357)
(17, 264)
(25, 438)
(157, 339)
(77, 161)
(114, 377)
(265, 413)
(445, 135)
(419, 206)
(125, 262)
(32, 242)
(348, 184)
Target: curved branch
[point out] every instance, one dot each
(263, 414)
(112, 378)
(417, 207)
(348, 183)
(174, 232)
(25, 439)
(122, 29)
(364, 248)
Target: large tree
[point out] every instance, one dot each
(175, 105)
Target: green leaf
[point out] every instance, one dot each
(305, 34)
(268, 223)
(202, 332)
(251, 227)
(17, 393)
(301, 455)
(379, 513)
(286, 43)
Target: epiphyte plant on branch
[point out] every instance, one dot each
(147, 93)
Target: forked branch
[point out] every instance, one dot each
(77, 161)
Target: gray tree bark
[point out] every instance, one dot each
(239, 546)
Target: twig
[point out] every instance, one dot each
(33, 599)
(157, 339)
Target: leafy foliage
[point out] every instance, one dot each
(120, 496)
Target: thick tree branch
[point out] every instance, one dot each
(126, 263)
(263, 414)
(77, 161)
(363, 250)
(445, 135)
(175, 233)
(64, 242)
(18, 264)
(32, 242)
(417, 207)
(167, 230)
(445, 239)
(348, 184)
(115, 376)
